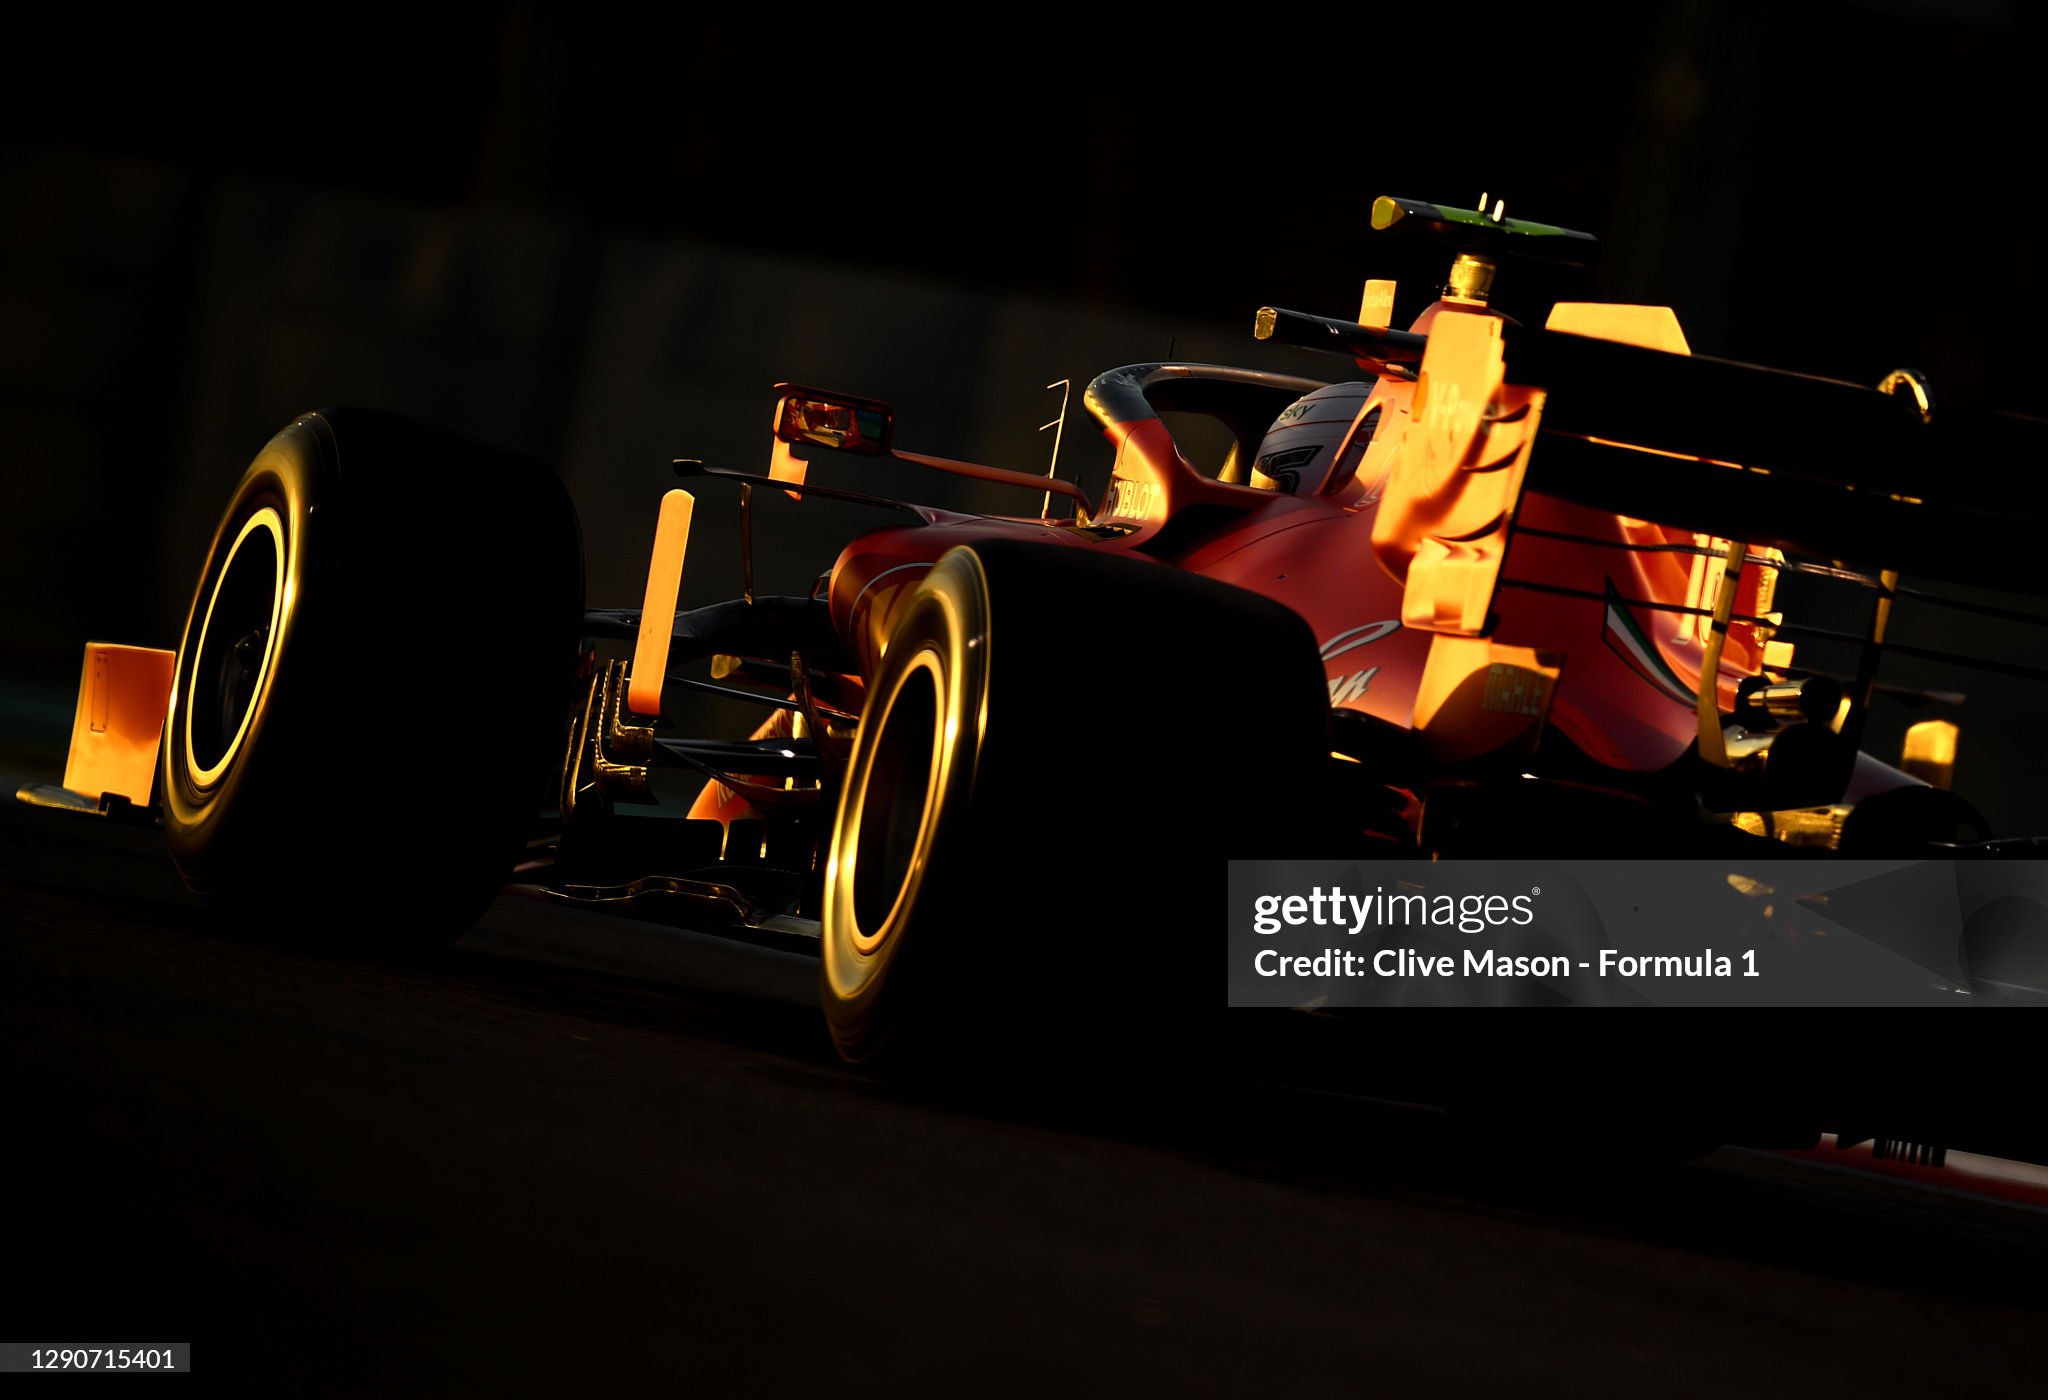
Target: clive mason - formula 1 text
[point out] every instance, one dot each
(1474, 962)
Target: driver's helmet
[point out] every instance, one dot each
(1299, 454)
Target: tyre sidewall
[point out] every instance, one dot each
(419, 681)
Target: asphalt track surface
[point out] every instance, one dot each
(578, 1151)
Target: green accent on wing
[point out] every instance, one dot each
(1388, 211)
(1645, 648)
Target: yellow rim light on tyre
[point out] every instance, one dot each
(911, 772)
(266, 522)
(893, 821)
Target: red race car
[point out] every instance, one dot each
(1499, 589)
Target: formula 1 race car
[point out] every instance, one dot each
(1498, 588)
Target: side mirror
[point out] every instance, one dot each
(840, 421)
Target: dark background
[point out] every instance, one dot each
(603, 240)
(602, 235)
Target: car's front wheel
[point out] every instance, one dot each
(1060, 750)
(371, 681)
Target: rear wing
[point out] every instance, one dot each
(1813, 466)
(1810, 465)
(1606, 408)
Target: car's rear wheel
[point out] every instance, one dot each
(372, 680)
(1057, 755)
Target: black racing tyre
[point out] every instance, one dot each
(372, 682)
(1057, 755)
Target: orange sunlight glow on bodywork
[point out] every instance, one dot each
(1929, 751)
(658, 611)
(123, 694)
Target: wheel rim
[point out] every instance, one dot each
(237, 642)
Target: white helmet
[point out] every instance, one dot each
(1299, 454)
